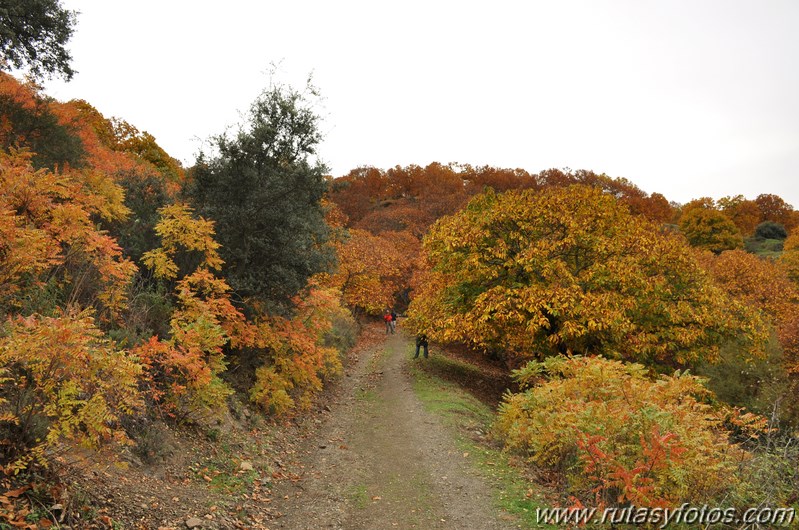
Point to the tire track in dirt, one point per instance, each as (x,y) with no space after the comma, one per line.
(382,461)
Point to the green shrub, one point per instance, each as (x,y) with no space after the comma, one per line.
(765,248)
(753,383)
(770,230)
(343,333)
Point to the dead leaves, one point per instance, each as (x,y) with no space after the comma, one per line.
(15,510)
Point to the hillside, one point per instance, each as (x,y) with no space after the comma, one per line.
(169,332)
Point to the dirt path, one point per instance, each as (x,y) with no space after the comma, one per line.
(381,461)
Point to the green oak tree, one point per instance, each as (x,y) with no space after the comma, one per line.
(34,35)
(263,190)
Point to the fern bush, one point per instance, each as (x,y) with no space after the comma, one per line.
(611,434)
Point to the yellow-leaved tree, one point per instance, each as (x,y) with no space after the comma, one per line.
(184,370)
(710,229)
(370,269)
(530,274)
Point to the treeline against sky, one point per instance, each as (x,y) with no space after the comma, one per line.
(655,345)
(133,288)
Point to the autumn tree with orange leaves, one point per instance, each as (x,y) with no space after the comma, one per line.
(62,380)
(51,239)
(774,208)
(790,257)
(29,120)
(184,370)
(764,286)
(743,212)
(303,352)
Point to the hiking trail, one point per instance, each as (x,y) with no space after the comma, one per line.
(380,460)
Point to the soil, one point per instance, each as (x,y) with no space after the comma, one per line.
(368,457)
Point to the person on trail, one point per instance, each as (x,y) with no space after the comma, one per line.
(387,319)
(421,342)
(393,321)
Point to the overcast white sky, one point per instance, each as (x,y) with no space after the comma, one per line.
(687,98)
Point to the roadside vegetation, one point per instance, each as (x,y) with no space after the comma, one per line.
(140,297)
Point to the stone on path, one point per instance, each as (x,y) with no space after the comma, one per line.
(194,522)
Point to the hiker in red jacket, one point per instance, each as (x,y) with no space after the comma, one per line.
(387,319)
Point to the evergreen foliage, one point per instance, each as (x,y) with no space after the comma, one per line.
(34,34)
(770,230)
(263,192)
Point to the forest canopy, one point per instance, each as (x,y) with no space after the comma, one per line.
(570,271)
(134,290)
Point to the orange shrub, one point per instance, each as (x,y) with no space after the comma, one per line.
(300,354)
(184,371)
(61,381)
(48,232)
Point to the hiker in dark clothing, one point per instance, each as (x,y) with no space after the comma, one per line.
(421,341)
(393,321)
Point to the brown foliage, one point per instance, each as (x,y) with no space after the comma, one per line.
(774,208)
(744,213)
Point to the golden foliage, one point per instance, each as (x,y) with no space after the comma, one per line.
(614,435)
(184,371)
(48,232)
(765,286)
(710,229)
(569,270)
(180,231)
(371,269)
(789,259)
(63,381)
(300,358)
